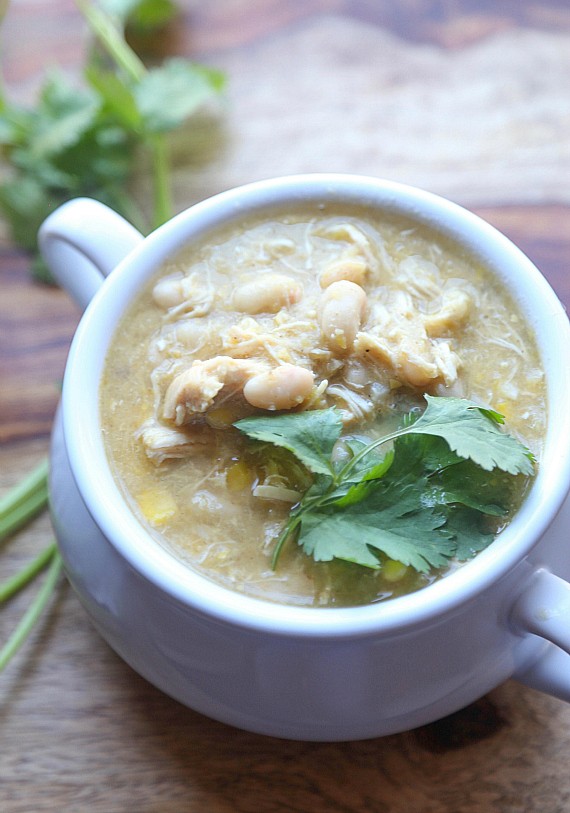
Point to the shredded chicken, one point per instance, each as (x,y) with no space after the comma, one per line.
(194,390)
(333,318)
(398,339)
(163,443)
(452,314)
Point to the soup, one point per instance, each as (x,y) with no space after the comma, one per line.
(339,315)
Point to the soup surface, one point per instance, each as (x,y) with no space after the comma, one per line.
(296,312)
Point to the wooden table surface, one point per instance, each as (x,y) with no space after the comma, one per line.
(468,98)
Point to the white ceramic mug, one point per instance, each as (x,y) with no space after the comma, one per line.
(304,673)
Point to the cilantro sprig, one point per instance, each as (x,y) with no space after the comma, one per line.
(421,502)
(92,138)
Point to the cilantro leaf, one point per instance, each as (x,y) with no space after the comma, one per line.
(467,528)
(67,146)
(166,96)
(488,492)
(326,536)
(310,435)
(141,13)
(439,491)
(428,453)
(474,433)
(115,95)
(391,521)
(368,467)
(358,483)
(87,139)
(64,114)
(24,205)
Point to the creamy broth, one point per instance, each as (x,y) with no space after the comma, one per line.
(365,313)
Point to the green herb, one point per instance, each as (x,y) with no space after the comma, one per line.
(17,508)
(141,14)
(25,500)
(34,611)
(27,574)
(88,140)
(425,500)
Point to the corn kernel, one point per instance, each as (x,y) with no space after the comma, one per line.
(221,417)
(239,476)
(157,505)
(393,570)
(503,408)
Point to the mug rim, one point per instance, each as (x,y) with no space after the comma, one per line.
(110,509)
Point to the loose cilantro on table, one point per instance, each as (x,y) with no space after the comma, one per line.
(88,139)
(421,502)
(141,14)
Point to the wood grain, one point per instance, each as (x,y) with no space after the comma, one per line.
(37,323)
(466,97)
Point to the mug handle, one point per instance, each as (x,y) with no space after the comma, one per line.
(543,609)
(82,242)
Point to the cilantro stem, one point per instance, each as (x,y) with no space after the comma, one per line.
(293,523)
(347,468)
(163,205)
(12,586)
(111,37)
(22,491)
(24,501)
(322,499)
(287,531)
(33,613)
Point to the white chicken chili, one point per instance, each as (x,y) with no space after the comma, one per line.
(298,313)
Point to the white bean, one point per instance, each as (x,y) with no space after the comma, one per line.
(188,294)
(283,387)
(352,269)
(169,292)
(343,306)
(267,293)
